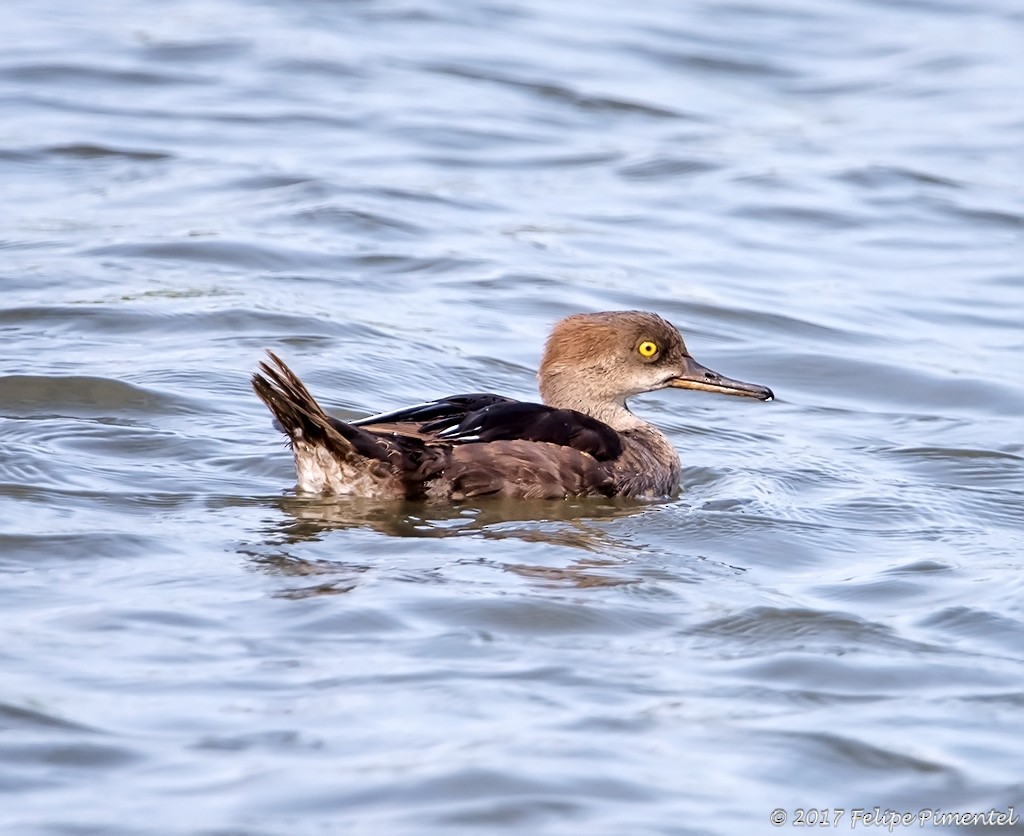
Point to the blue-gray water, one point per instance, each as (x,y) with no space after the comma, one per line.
(400,197)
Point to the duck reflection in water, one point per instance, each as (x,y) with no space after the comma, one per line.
(574,524)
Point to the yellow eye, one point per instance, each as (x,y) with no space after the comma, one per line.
(647,349)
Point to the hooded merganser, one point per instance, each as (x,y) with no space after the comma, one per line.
(582,441)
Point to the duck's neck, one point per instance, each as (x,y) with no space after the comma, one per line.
(611,411)
(586,394)
(615,415)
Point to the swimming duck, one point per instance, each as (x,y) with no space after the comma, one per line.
(582,441)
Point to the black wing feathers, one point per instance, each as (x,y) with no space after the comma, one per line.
(514,420)
(483,417)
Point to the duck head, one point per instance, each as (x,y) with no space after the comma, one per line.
(593,362)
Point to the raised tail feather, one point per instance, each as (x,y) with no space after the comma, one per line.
(330,455)
(295,409)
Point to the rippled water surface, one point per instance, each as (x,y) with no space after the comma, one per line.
(401,197)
